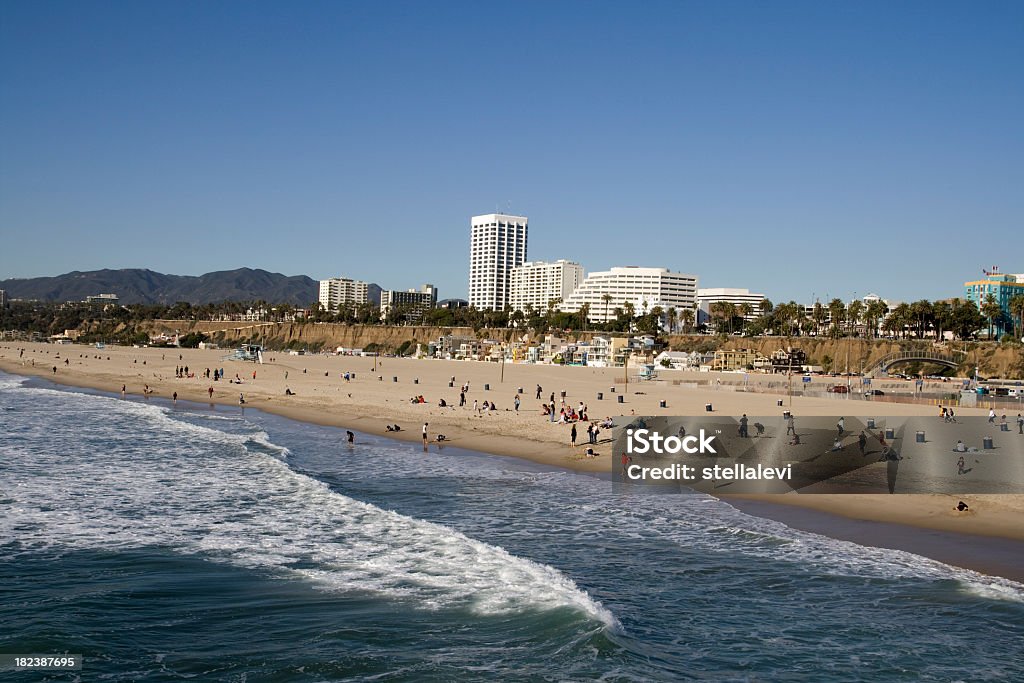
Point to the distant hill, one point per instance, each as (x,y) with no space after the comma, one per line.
(140,286)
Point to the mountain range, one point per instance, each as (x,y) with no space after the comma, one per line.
(141,286)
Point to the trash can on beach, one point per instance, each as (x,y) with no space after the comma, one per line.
(487,387)
(621,398)
(708,408)
(600,396)
(919,437)
(890,433)
(871,423)
(661,404)
(986,443)
(779,403)
(394,379)
(416,380)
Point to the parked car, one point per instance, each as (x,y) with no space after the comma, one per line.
(839,389)
(874,392)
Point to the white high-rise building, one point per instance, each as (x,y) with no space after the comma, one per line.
(414,302)
(497,245)
(641,287)
(709,295)
(535,283)
(341,290)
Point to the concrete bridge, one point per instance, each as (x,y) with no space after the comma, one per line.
(892,359)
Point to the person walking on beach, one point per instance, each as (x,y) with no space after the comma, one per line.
(991,416)
(174,397)
(790,425)
(124,388)
(862,442)
(476,405)
(210,391)
(462,399)
(572,436)
(350,436)
(515,402)
(743,426)
(1020,423)
(841,426)
(538,392)
(241,399)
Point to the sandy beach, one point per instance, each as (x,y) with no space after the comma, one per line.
(377,397)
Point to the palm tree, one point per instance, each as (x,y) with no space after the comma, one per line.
(837,311)
(991,310)
(673,315)
(855,312)
(745,310)
(765,306)
(818,314)
(1017,314)
(686,317)
(607,299)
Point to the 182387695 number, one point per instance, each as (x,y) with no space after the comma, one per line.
(39,662)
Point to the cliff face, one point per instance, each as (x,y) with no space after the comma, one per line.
(992,360)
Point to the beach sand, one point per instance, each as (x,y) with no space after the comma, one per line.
(374,399)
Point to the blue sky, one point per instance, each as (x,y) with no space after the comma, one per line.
(795,148)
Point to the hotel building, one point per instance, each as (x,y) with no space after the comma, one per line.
(736,297)
(641,287)
(497,245)
(416,302)
(340,290)
(1003,288)
(535,283)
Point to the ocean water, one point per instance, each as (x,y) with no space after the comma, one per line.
(186,542)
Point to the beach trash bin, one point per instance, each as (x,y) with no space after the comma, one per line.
(779,403)
(1004,426)
(611,390)
(416,380)
(563,394)
(986,443)
(871,423)
(786,414)
(394,379)
(520,390)
(353,375)
(919,437)
(621,398)
(708,408)
(600,396)
(451,385)
(890,433)
(487,387)
(661,404)
(380,378)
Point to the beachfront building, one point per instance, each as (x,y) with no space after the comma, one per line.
(3,299)
(1002,287)
(497,245)
(103,299)
(336,291)
(413,303)
(735,296)
(643,288)
(734,359)
(536,283)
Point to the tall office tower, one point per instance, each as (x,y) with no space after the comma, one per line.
(497,245)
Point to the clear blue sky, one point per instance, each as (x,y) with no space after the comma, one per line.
(794,148)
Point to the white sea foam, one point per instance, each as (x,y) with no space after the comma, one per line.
(203,491)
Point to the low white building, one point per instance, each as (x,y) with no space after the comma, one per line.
(733,295)
(643,288)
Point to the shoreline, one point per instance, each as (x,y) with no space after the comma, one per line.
(995,519)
